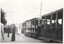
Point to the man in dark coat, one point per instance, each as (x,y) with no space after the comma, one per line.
(8,31)
(13,33)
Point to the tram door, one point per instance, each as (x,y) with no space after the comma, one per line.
(42,26)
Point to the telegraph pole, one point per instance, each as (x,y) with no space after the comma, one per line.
(40,14)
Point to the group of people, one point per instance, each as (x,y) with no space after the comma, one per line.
(8,32)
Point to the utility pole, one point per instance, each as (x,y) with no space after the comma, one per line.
(40,14)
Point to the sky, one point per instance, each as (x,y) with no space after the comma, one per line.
(18,11)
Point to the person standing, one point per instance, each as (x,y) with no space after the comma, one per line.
(13,33)
(2,31)
(8,31)
(19,31)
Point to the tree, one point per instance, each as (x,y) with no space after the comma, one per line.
(3,20)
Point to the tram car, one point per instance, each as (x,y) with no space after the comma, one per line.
(30,27)
(49,27)
(52,26)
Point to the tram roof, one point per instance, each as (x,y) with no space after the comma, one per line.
(54,14)
(32,19)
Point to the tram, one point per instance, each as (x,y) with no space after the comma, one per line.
(29,27)
(50,28)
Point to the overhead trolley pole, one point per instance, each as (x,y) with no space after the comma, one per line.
(40,14)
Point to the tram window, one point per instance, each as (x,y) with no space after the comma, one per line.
(28,30)
(60,17)
(48,20)
(48,23)
(52,21)
(60,21)
(28,24)
(43,21)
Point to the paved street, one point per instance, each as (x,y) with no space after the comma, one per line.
(21,38)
